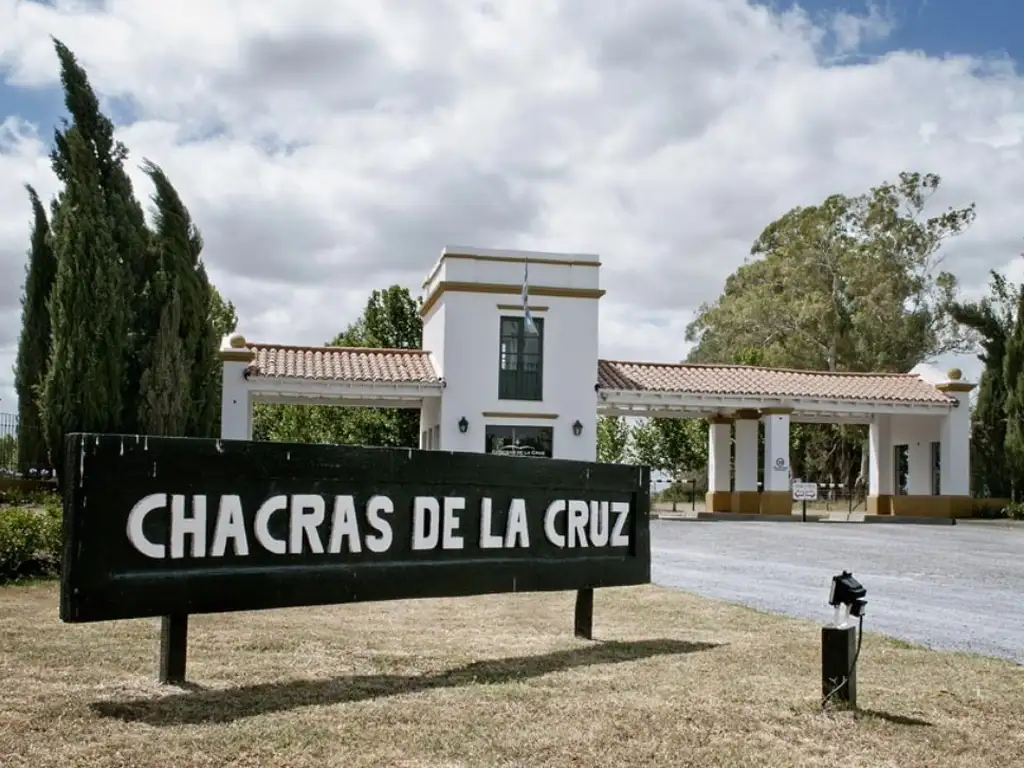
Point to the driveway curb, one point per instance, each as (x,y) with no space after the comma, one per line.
(726,517)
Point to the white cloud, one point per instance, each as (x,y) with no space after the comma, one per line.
(326,149)
(852,31)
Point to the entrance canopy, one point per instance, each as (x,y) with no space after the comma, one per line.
(691,390)
(350,376)
(402,378)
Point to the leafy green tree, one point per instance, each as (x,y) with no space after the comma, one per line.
(390,320)
(613,440)
(992,321)
(851,284)
(34,342)
(677,446)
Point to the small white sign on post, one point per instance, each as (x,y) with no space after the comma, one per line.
(805,491)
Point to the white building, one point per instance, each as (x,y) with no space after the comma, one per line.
(484,383)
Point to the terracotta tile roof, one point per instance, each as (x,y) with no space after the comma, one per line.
(766,382)
(411,366)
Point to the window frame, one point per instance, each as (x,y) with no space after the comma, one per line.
(517,383)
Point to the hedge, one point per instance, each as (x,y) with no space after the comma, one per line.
(30,540)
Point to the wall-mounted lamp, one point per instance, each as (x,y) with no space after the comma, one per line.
(577,428)
(463,425)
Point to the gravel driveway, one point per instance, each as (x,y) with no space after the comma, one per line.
(954,587)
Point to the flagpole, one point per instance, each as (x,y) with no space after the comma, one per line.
(527,318)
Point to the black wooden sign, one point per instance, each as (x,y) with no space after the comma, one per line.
(175,526)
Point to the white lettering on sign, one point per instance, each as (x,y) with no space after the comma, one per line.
(621,511)
(307,516)
(599,523)
(450,536)
(304,523)
(517,534)
(137,518)
(426,522)
(344,526)
(193,526)
(267,508)
(587,523)
(375,507)
(230,527)
(487,539)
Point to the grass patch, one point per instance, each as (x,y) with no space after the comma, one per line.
(488,681)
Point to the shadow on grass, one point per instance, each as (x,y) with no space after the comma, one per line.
(894,719)
(223,706)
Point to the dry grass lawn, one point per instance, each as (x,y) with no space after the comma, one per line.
(673,680)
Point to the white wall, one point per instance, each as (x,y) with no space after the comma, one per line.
(917,433)
(579,275)
(915,429)
(469,326)
(430,419)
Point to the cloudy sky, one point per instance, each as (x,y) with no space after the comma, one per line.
(327,148)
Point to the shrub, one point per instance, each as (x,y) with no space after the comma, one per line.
(21,539)
(52,532)
(1014,509)
(25,495)
(30,541)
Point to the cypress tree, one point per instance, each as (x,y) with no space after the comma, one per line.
(85,376)
(179,245)
(34,343)
(127,225)
(1013,377)
(992,318)
(164,387)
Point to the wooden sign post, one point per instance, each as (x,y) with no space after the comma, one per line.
(160,526)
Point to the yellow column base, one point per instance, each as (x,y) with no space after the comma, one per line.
(776,503)
(879,505)
(746,502)
(718,501)
(931,506)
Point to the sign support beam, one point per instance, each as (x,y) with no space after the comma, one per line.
(585,614)
(173,648)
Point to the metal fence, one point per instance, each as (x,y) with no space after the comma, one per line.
(8,442)
(832,497)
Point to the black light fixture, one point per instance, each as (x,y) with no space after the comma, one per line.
(577,428)
(847,597)
(463,425)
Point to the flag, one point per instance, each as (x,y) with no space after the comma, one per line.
(528,320)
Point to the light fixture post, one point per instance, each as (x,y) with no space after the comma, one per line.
(840,642)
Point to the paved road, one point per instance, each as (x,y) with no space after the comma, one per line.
(954,587)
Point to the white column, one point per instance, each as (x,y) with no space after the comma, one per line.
(719,464)
(776,451)
(880,457)
(235,405)
(955,442)
(746,454)
(919,468)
